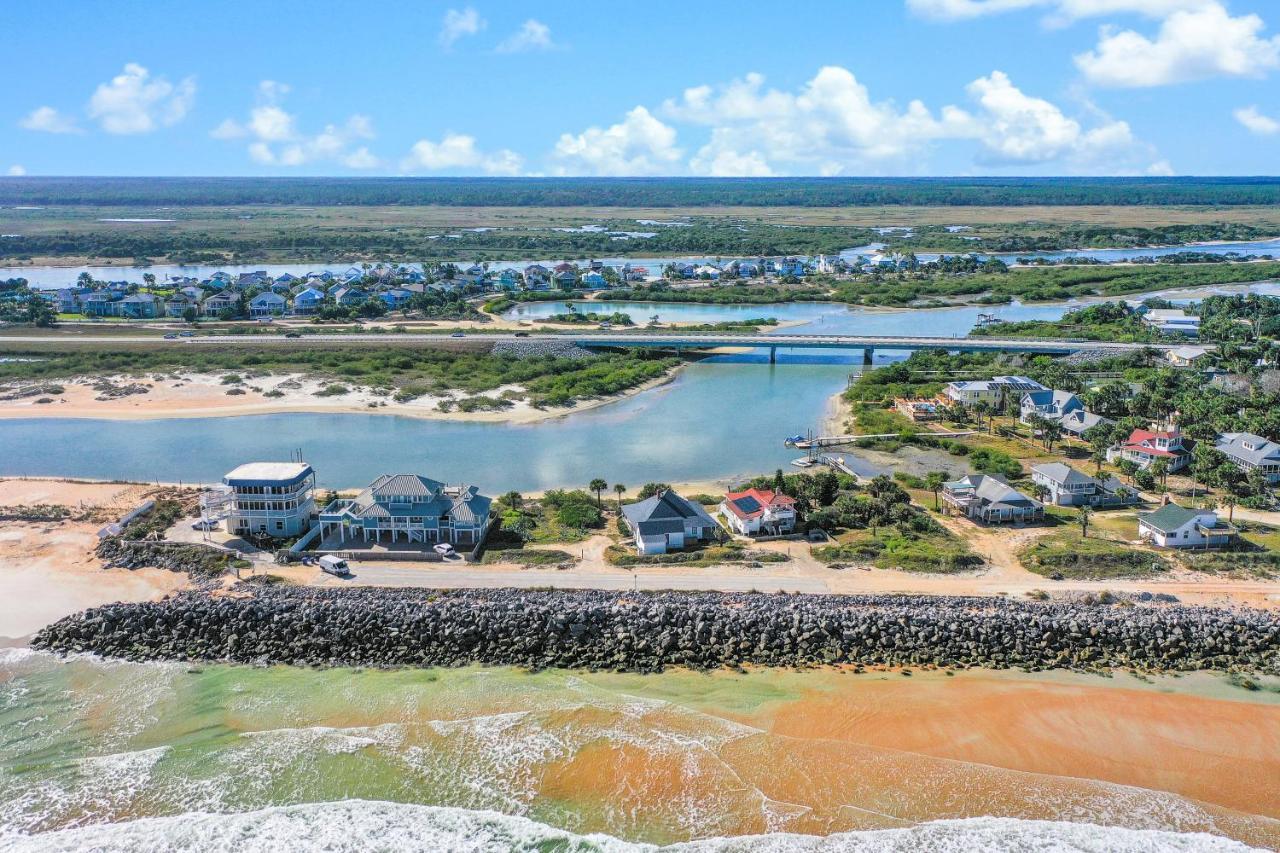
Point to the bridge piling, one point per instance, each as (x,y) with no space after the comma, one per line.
(867,355)
(773,355)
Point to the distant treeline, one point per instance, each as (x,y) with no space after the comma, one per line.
(641,192)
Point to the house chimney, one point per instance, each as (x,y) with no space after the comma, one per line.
(1165,500)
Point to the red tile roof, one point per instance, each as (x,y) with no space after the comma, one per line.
(760,500)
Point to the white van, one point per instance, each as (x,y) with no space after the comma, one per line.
(334,565)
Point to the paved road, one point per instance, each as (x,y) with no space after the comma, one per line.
(618,339)
(390,574)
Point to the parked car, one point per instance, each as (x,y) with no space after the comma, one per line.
(293,335)
(170,337)
(204,524)
(457,335)
(522,334)
(444,549)
(186,334)
(334,565)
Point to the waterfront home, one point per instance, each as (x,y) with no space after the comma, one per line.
(667,522)
(193,292)
(1050,405)
(65,300)
(918,409)
(308,300)
(274,499)
(565,276)
(409,508)
(216,303)
(509,279)
(1144,446)
(1187,356)
(1172,321)
(759,512)
(683,269)
(1250,453)
(1068,487)
(992,390)
(536,277)
(1174,526)
(989,498)
(594,280)
(707,272)
(789,266)
(267,304)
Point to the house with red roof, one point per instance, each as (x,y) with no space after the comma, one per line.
(757,512)
(1145,446)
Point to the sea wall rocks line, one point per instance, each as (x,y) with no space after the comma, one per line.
(645,632)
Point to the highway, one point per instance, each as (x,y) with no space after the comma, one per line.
(673,340)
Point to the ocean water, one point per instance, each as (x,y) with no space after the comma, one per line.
(109,755)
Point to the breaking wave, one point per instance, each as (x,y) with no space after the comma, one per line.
(359,825)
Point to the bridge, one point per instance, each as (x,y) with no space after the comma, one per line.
(675,340)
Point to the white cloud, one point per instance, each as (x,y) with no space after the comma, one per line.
(640,144)
(276,141)
(459,24)
(16,171)
(458,151)
(135,102)
(1256,121)
(1060,11)
(48,120)
(1190,45)
(832,126)
(532,35)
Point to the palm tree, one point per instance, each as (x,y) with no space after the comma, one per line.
(1098,457)
(1085,512)
(512,499)
(619,488)
(1040,491)
(934,481)
(1160,470)
(597,485)
(981,408)
(1229,501)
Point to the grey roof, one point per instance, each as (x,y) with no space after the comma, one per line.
(410,485)
(1169,517)
(1060,399)
(665,505)
(1253,449)
(994,490)
(1080,420)
(1060,472)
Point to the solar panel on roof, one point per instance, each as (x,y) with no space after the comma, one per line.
(748,504)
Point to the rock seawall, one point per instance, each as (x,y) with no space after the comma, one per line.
(645,632)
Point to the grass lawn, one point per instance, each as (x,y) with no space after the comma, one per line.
(1258,558)
(1066,553)
(938,552)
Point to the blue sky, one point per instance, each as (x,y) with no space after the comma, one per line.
(696,87)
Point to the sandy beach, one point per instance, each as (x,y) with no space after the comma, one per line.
(194,395)
(48,569)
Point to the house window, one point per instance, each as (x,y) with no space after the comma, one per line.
(279,525)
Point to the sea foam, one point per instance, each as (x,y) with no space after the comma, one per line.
(358,825)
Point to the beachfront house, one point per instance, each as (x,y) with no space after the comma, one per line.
(667,522)
(177,305)
(789,266)
(759,512)
(990,499)
(275,499)
(1068,487)
(396,297)
(349,296)
(1250,453)
(918,409)
(408,508)
(1145,446)
(1174,526)
(1172,321)
(267,304)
